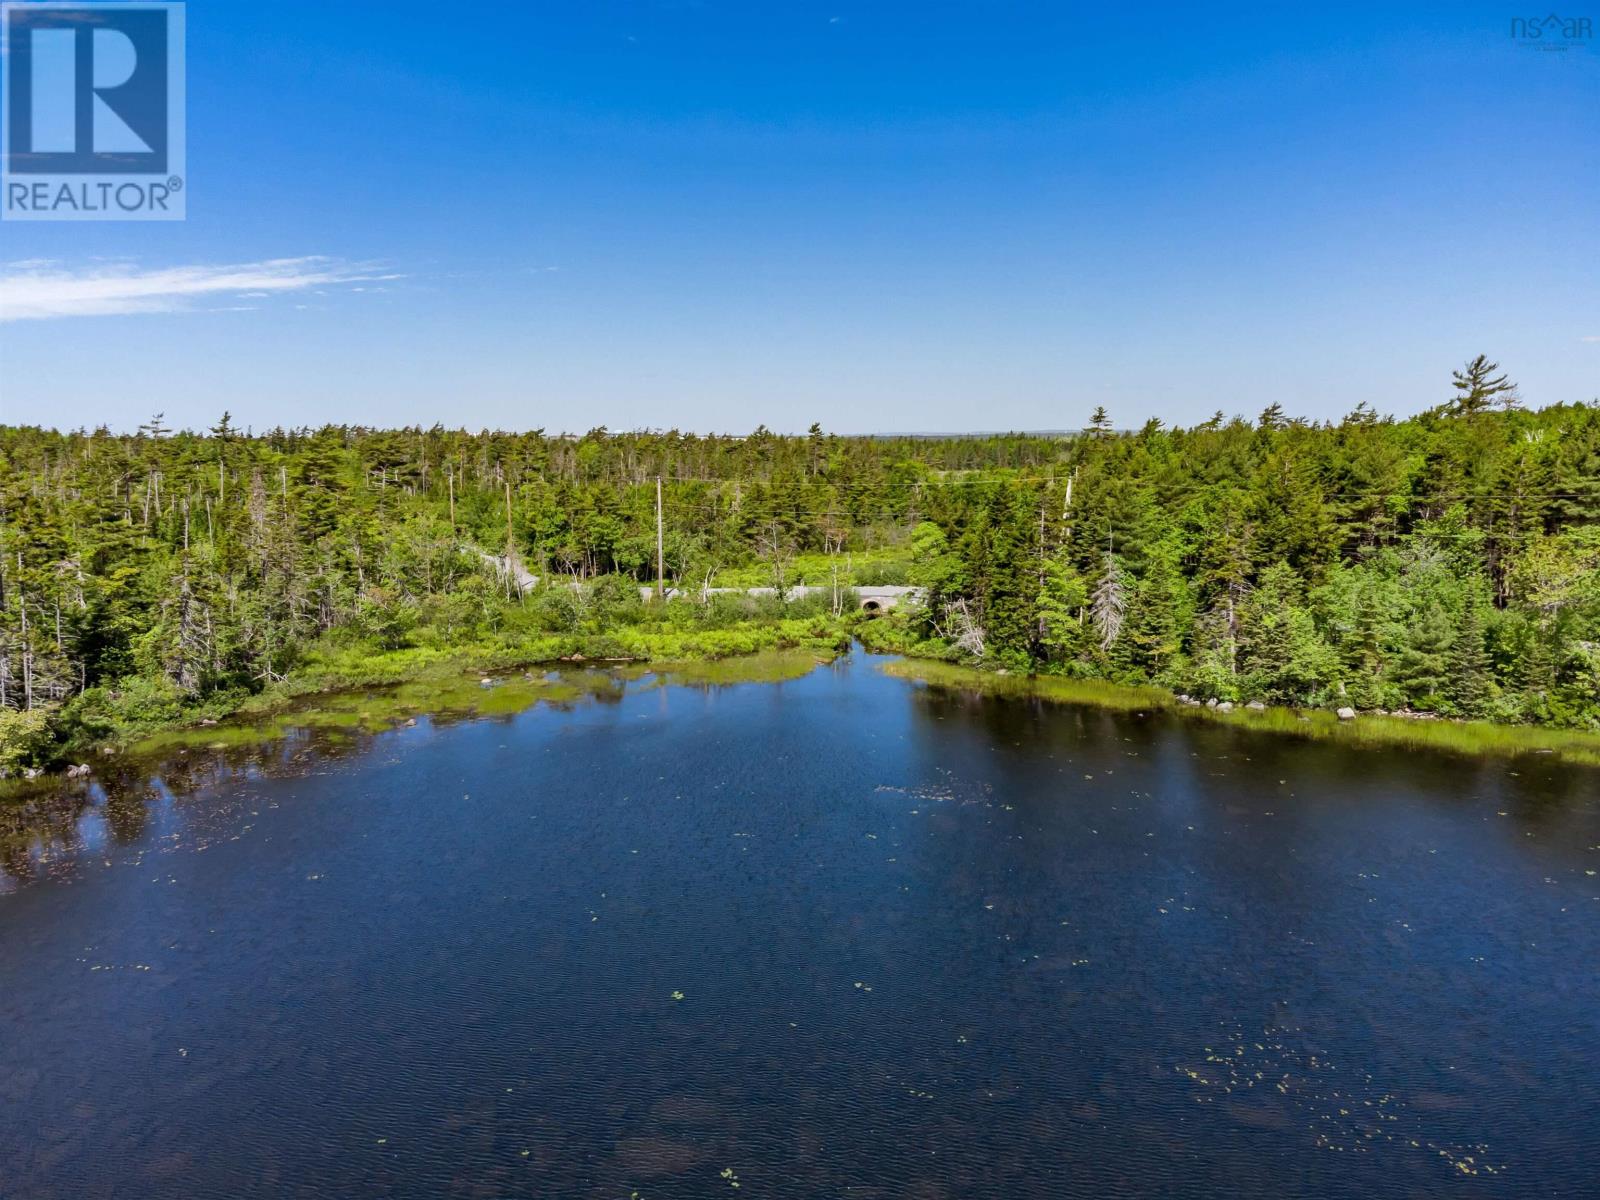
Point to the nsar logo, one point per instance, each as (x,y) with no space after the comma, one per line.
(1552,32)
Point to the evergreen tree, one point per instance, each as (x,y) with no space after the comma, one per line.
(1423,664)
(1153,632)
(1467,687)
(1477,387)
(1062,596)
(1367,643)
(321,488)
(1284,657)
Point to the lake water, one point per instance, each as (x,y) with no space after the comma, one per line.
(841,936)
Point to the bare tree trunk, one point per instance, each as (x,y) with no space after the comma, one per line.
(27,653)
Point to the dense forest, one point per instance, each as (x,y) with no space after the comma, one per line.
(1447,563)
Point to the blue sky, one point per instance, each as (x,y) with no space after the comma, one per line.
(878,216)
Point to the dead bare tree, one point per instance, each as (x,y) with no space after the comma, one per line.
(1109,603)
(961,627)
(777,549)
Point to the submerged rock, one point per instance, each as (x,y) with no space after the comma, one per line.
(652,1156)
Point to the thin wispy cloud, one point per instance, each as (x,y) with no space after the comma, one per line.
(1595,338)
(36,291)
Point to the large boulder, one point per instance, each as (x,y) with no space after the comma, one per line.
(1346,714)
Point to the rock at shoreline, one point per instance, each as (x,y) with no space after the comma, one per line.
(1225,706)
(1346,714)
(1256,706)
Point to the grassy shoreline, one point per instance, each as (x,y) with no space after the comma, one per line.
(359,689)
(453,691)
(1474,738)
(440,681)
(430,679)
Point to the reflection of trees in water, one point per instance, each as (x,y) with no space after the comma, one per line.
(51,820)
(127,814)
(1545,806)
(1010,719)
(34,820)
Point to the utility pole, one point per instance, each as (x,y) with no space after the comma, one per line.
(511,556)
(661,569)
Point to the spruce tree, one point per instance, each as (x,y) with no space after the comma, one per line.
(1424,661)
(1468,686)
(1152,634)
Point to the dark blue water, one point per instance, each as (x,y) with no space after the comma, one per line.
(927,945)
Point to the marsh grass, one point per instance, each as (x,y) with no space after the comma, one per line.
(373,709)
(445,694)
(1453,737)
(767,666)
(360,688)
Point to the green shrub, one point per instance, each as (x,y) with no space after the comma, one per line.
(27,739)
(555,610)
(387,624)
(615,599)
